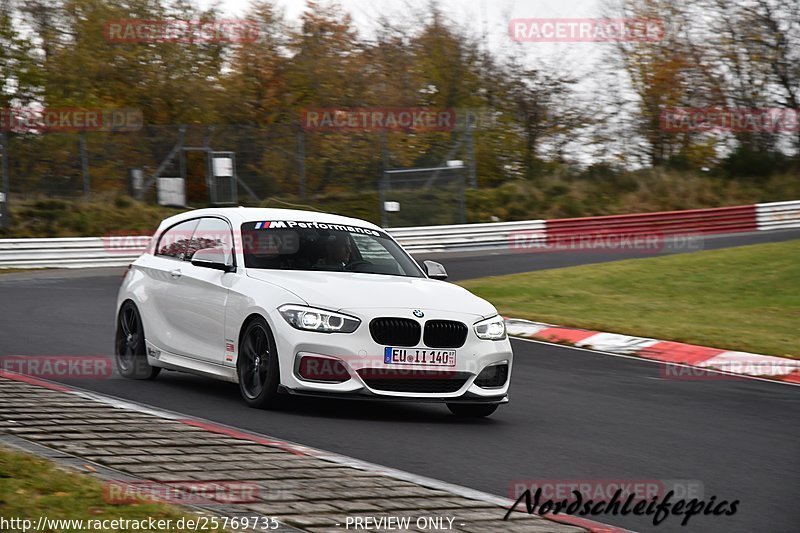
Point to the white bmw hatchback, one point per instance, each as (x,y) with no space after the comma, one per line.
(282,301)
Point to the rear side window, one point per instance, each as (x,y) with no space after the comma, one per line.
(174,242)
(212,233)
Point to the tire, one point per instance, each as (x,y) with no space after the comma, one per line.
(472,410)
(257,366)
(130,350)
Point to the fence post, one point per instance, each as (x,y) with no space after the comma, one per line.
(473,177)
(4,190)
(84,165)
(301,161)
(462,202)
(385,165)
(382,200)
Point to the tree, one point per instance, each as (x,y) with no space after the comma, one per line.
(19,69)
(664,74)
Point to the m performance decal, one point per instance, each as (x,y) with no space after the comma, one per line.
(271,225)
(291,224)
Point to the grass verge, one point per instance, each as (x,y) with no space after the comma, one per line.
(744,298)
(31,487)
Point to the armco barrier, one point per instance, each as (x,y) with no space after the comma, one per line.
(463,236)
(79,252)
(86,252)
(778,215)
(121,250)
(716,220)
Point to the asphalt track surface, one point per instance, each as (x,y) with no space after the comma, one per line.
(574,415)
(465,265)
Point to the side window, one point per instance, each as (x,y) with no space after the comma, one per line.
(212,233)
(371,249)
(174,242)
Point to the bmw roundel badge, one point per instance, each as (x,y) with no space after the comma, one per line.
(418,313)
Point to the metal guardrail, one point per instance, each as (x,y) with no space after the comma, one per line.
(79,252)
(462,236)
(694,221)
(778,215)
(84,252)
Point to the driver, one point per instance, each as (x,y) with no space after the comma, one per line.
(339,251)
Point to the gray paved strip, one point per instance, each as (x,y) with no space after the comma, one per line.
(107,474)
(303,491)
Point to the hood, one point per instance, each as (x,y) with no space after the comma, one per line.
(339,291)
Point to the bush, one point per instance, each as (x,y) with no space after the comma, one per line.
(597,191)
(750,163)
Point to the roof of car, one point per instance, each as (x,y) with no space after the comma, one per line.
(257,214)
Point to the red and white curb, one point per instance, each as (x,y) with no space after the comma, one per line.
(727,361)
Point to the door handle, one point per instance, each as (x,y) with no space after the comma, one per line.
(175,273)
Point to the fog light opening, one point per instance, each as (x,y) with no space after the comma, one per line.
(322,369)
(493,377)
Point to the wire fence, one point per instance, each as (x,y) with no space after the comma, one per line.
(279,160)
(423,196)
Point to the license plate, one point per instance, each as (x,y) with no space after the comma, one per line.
(419,356)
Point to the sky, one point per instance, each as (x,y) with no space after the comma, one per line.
(489,17)
(483,17)
(458,8)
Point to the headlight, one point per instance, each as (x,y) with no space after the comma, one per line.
(491,329)
(310,319)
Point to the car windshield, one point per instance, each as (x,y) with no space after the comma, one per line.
(318,246)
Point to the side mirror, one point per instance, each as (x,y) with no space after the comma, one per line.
(212,258)
(435,270)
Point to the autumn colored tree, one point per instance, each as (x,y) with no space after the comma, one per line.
(248,95)
(754,45)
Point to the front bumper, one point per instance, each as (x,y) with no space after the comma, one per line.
(367,394)
(360,354)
